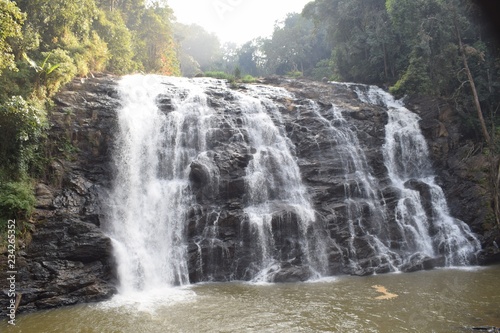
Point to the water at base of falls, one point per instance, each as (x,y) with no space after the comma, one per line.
(209,187)
(440,301)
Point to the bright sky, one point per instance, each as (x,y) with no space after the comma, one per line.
(235,20)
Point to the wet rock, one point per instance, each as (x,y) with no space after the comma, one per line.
(425,193)
(292,274)
(462,169)
(419,262)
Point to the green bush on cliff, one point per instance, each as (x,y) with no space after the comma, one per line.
(218,75)
(17,202)
(16,199)
(248,79)
(21,127)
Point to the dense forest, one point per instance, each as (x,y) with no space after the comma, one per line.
(440,48)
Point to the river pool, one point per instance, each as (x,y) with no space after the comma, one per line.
(442,300)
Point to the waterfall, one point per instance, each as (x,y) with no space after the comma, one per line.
(151,194)
(213,184)
(365,209)
(274,184)
(425,227)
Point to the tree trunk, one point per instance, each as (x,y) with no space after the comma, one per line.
(494,159)
(496,194)
(472,84)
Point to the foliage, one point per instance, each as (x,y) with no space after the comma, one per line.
(16,199)
(237,73)
(21,127)
(50,75)
(111,27)
(361,35)
(295,46)
(248,79)
(251,58)
(411,46)
(154,42)
(294,74)
(231,78)
(57,18)
(218,75)
(11,21)
(414,80)
(323,69)
(199,50)
(44,44)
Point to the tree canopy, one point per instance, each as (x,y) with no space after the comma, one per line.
(11,21)
(45,44)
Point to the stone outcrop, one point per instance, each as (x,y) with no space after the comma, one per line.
(69,259)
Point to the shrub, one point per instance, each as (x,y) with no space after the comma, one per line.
(65,71)
(21,126)
(218,75)
(16,200)
(248,79)
(294,74)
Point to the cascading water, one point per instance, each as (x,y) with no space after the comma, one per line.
(213,184)
(365,210)
(425,227)
(274,185)
(156,153)
(151,194)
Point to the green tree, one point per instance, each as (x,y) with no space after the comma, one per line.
(295,46)
(111,27)
(364,47)
(251,59)
(155,47)
(11,21)
(55,19)
(199,50)
(428,56)
(21,126)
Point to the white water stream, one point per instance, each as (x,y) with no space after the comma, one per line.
(407,160)
(152,195)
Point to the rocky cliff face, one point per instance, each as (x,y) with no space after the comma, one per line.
(69,259)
